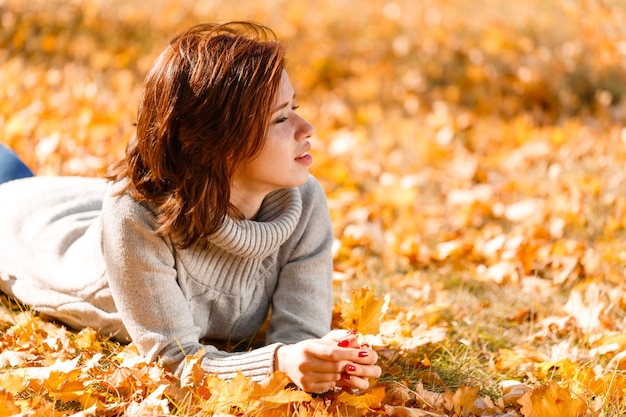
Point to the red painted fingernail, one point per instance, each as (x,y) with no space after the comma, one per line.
(345,376)
(363,354)
(343,343)
(352,331)
(365,345)
(350,368)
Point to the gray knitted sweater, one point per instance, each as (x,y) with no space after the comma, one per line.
(73,249)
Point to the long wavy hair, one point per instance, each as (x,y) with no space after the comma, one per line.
(205,108)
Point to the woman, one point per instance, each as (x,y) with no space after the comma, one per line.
(208,225)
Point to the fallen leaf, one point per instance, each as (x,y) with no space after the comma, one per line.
(192,373)
(463,400)
(398,411)
(371,398)
(13,358)
(7,404)
(155,404)
(397,394)
(586,308)
(550,401)
(513,391)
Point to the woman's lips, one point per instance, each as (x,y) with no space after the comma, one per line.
(305,158)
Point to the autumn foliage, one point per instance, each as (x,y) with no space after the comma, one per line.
(473,154)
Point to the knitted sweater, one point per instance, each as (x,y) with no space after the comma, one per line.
(73,249)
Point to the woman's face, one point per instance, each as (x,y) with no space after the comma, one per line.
(284,159)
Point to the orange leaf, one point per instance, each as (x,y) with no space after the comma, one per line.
(371,398)
(58,381)
(364,311)
(272,385)
(87,338)
(399,411)
(462,400)
(7,404)
(287,397)
(120,378)
(235,393)
(192,372)
(551,400)
(13,381)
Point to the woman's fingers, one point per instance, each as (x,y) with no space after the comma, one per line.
(343,338)
(354,382)
(365,356)
(317,365)
(349,339)
(357,376)
(338,335)
(369,371)
(306,364)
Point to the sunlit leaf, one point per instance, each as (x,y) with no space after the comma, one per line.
(13,381)
(364,311)
(8,407)
(371,398)
(551,400)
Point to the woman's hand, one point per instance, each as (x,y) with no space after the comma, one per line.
(319,365)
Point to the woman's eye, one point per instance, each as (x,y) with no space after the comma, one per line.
(283,119)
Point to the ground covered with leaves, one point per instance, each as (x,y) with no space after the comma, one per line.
(473,154)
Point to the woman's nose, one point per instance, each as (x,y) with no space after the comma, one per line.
(305,130)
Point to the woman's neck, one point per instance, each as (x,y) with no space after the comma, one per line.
(248,204)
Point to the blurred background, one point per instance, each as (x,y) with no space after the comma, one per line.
(473,154)
(434,118)
(396,72)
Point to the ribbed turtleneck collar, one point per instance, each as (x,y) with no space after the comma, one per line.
(275,222)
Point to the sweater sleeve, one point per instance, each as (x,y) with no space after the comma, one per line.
(143,281)
(302,301)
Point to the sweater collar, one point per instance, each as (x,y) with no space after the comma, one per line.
(277,219)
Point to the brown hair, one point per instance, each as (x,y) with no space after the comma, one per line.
(205,108)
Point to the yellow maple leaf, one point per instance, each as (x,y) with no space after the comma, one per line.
(192,372)
(229,394)
(154,404)
(364,311)
(371,398)
(59,382)
(461,401)
(13,380)
(551,400)
(87,339)
(399,411)
(272,385)
(7,404)
(120,378)
(288,396)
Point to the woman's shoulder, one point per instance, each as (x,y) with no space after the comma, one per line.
(120,206)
